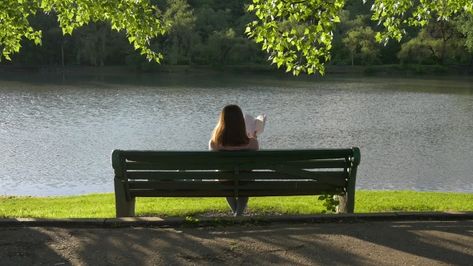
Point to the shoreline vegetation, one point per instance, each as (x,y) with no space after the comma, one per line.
(401,70)
(103,205)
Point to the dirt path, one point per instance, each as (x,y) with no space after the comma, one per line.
(367,243)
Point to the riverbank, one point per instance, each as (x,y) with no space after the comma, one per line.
(397,70)
(103,205)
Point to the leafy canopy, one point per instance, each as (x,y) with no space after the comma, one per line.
(297,34)
(395,15)
(141,21)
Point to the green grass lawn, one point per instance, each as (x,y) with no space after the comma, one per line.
(103,205)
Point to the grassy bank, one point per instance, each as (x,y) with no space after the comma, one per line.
(102,205)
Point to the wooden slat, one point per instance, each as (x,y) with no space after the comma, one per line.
(314,164)
(230,193)
(195,165)
(254,163)
(152,193)
(310,174)
(241,156)
(263,193)
(324,153)
(283,185)
(180,185)
(243,185)
(177,175)
(336,178)
(195,193)
(230,164)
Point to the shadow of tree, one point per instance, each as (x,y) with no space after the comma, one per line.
(29,246)
(369,243)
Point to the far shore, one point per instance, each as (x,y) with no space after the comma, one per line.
(407,70)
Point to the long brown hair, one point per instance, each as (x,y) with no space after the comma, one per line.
(230,129)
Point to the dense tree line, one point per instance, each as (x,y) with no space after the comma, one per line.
(212,32)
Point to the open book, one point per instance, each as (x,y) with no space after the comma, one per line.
(255,124)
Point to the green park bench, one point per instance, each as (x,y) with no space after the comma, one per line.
(234,174)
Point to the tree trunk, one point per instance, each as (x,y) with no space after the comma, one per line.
(62,54)
(103,39)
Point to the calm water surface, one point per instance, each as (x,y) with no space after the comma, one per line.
(56,137)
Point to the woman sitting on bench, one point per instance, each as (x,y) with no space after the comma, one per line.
(230,135)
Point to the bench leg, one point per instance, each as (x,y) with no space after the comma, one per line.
(346,203)
(123,207)
(342,204)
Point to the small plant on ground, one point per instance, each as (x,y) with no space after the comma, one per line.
(330,202)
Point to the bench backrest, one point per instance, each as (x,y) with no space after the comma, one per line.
(235,173)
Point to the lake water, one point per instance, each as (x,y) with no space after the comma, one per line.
(56,137)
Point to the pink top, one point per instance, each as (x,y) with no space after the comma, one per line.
(252,145)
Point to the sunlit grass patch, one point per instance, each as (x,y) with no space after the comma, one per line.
(103,205)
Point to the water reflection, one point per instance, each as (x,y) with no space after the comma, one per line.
(56,139)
